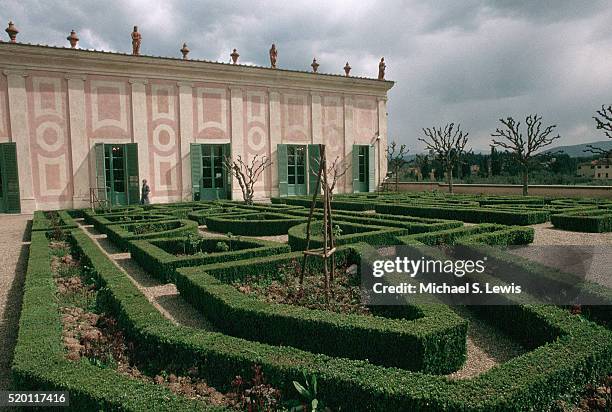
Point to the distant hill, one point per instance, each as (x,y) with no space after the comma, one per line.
(577,150)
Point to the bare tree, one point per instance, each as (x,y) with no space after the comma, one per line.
(335,171)
(524,148)
(247,173)
(448,145)
(603,122)
(396,158)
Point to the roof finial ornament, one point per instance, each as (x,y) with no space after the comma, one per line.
(136,41)
(185,50)
(273,56)
(73,39)
(234,55)
(314,65)
(381,69)
(12,31)
(347,69)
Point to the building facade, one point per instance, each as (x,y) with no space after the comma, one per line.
(600,169)
(76,122)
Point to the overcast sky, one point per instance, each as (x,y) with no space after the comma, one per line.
(464,61)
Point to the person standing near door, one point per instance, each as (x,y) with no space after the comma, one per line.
(144,197)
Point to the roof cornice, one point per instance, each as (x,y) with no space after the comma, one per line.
(26,57)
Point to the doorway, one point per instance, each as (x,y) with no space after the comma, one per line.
(296,170)
(9,179)
(209,176)
(117,173)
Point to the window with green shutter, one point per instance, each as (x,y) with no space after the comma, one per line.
(133,183)
(371,169)
(196,169)
(360,167)
(281,162)
(9,178)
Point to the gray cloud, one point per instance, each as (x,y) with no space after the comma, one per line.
(470,62)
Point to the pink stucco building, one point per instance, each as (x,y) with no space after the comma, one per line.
(74,120)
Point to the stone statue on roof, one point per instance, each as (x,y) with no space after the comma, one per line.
(381,69)
(273,56)
(136,40)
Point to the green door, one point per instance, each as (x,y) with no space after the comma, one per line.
(296,170)
(361,167)
(9,179)
(115,174)
(213,184)
(117,178)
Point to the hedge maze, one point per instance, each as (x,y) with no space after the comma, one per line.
(391,359)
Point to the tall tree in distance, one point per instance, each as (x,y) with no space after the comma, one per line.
(396,158)
(448,145)
(524,148)
(603,121)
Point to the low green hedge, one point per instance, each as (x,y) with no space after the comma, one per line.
(435,340)
(486,233)
(473,215)
(595,221)
(335,204)
(157,256)
(517,269)
(413,224)
(253,224)
(200,215)
(351,233)
(101,221)
(579,354)
(40,221)
(39,362)
(122,234)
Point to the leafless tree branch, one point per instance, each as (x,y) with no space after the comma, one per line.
(247,173)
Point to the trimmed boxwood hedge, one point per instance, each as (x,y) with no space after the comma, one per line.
(528,272)
(122,234)
(253,224)
(473,215)
(580,352)
(485,233)
(100,221)
(39,361)
(154,257)
(413,224)
(351,233)
(595,221)
(435,340)
(42,223)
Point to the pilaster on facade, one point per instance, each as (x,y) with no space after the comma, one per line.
(349,139)
(381,143)
(79,145)
(316,118)
(140,127)
(20,134)
(237,132)
(186,136)
(275,136)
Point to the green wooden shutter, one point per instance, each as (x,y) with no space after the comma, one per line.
(10,174)
(314,155)
(281,161)
(196,169)
(100,172)
(371,169)
(131,150)
(355,167)
(227,154)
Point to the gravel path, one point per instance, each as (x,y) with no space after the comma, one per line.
(486,347)
(588,255)
(14,249)
(164,297)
